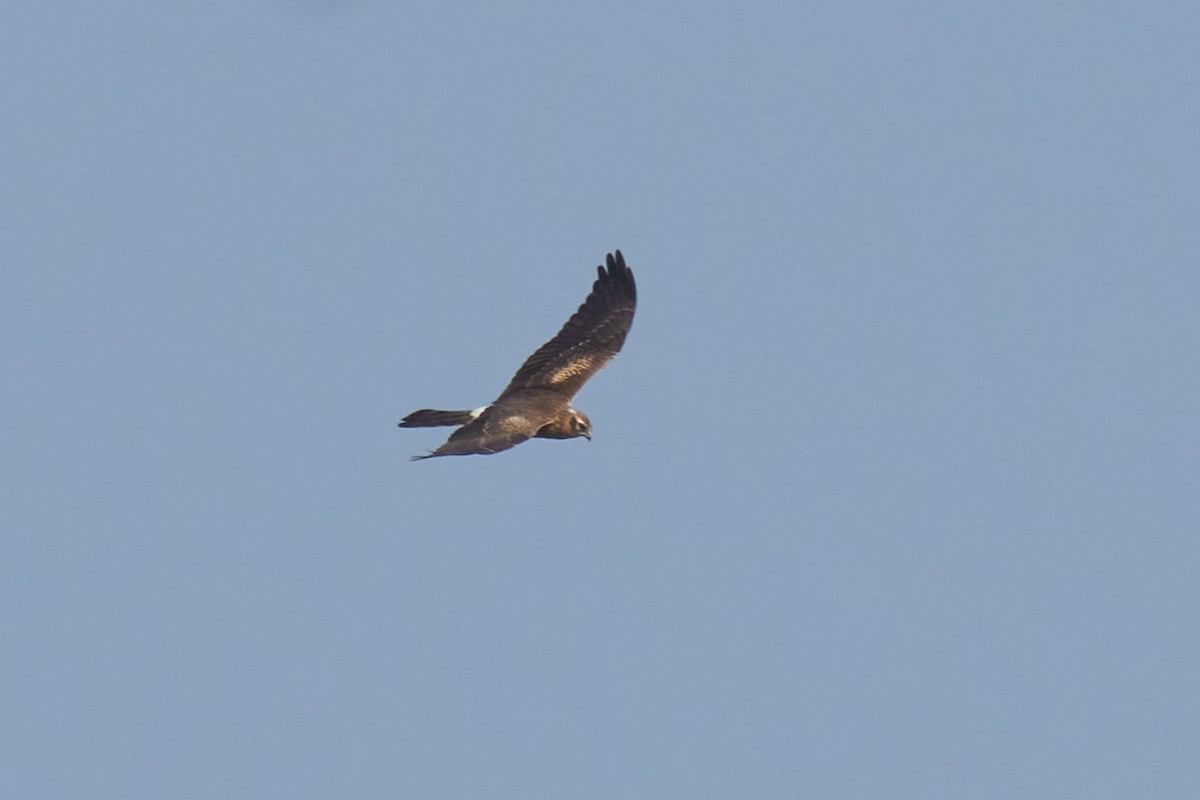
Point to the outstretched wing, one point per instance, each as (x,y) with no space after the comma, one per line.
(475,439)
(589,339)
(499,427)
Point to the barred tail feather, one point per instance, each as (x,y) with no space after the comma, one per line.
(429,418)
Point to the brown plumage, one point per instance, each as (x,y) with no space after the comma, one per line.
(537,401)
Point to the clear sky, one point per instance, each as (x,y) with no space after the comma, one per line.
(893,490)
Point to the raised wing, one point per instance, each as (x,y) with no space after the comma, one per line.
(589,339)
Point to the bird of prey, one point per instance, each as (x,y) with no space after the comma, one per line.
(537,402)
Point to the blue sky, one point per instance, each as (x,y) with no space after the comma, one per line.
(893,491)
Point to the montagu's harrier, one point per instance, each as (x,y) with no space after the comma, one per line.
(537,402)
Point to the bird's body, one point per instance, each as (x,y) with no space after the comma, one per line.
(537,402)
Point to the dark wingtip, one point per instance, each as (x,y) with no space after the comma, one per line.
(616,266)
(616,263)
(618,275)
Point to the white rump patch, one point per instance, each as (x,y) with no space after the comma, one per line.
(475,414)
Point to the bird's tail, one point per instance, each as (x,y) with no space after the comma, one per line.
(429,418)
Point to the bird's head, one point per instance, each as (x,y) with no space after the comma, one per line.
(580,425)
(567,425)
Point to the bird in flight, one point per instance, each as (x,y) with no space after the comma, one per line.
(537,401)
